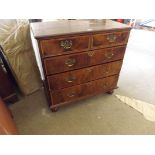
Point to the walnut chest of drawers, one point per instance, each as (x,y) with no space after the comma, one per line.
(80,58)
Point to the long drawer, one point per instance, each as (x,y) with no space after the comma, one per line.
(75,61)
(80,76)
(60,46)
(109,39)
(84,90)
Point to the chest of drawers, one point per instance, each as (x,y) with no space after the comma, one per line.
(80,58)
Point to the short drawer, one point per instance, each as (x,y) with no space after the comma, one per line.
(71,78)
(52,47)
(84,90)
(76,61)
(110,39)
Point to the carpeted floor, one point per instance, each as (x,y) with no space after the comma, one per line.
(103,114)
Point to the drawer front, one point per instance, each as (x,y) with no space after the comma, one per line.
(84,90)
(110,39)
(81,60)
(62,46)
(80,76)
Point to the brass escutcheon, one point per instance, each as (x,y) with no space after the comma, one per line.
(66,44)
(111,38)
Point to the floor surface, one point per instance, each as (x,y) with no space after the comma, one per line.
(102,114)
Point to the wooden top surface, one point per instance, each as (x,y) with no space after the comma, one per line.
(63,27)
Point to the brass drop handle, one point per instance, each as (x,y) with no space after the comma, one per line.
(109,55)
(72,94)
(89,70)
(70,62)
(66,44)
(107,71)
(71,79)
(111,38)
